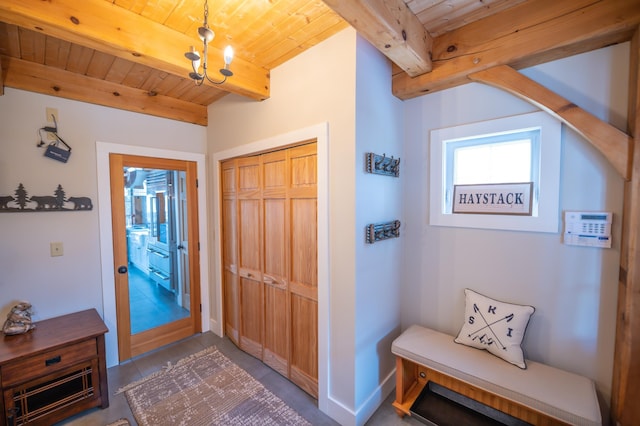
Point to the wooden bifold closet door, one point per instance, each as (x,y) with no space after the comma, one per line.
(270,268)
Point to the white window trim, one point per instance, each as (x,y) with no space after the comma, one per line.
(549,184)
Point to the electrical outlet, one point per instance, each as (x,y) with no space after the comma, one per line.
(51,113)
(56,249)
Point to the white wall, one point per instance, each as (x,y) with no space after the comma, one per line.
(574,289)
(60,285)
(319,86)
(379,129)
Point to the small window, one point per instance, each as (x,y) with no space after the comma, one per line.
(503,158)
(508,150)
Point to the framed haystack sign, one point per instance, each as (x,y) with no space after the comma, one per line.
(498,198)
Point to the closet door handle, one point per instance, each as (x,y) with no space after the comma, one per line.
(268,279)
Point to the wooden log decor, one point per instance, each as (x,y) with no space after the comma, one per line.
(22,202)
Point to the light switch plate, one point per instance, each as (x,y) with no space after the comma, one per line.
(56,249)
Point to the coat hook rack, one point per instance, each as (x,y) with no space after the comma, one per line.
(382,165)
(382,231)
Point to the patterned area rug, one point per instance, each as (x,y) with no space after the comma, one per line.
(206,389)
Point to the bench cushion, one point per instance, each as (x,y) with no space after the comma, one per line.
(566,396)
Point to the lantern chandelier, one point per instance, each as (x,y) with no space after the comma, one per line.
(206,35)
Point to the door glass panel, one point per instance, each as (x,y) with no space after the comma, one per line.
(156,223)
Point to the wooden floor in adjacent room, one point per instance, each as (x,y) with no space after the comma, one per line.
(146,364)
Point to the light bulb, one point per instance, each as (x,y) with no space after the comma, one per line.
(228,55)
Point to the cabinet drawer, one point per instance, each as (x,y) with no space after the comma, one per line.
(47,362)
(159,259)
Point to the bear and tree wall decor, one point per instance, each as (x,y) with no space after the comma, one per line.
(21,201)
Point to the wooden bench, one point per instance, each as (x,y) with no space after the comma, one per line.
(540,395)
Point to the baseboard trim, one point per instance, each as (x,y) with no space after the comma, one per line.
(376,399)
(215,327)
(348,417)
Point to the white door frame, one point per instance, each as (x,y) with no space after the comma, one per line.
(103,149)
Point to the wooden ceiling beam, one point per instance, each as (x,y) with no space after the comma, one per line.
(613,143)
(392,28)
(625,390)
(529,33)
(52,81)
(109,28)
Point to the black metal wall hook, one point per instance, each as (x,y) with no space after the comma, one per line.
(382,165)
(382,231)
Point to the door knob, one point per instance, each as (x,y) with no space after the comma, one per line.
(122,270)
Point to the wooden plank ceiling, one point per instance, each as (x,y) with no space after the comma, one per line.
(129,54)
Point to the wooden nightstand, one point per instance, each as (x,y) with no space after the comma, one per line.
(53,371)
